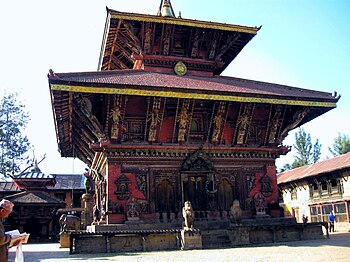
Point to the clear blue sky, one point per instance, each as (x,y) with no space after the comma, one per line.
(301,43)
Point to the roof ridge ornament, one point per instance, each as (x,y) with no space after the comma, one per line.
(165,9)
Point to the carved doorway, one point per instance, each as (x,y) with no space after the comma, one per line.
(165,197)
(225,195)
(194,190)
(198,180)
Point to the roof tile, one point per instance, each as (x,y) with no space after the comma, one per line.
(330,165)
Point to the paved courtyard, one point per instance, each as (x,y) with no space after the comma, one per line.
(336,248)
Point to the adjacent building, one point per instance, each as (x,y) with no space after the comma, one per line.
(316,190)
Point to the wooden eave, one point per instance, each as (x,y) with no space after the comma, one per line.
(173,92)
(72,133)
(181,21)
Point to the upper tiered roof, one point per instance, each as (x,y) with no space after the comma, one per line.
(158,42)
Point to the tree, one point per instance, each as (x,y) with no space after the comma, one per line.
(307,153)
(13,143)
(341,145)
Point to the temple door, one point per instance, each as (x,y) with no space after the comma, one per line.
(165,197)
(225,195)
(194,190)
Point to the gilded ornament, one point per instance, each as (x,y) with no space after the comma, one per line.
(180,68)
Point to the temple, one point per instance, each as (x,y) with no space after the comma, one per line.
(158,125)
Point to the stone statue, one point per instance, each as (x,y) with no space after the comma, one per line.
(88,184)
(236,211)
(69,222)
(188,215)
(96,214)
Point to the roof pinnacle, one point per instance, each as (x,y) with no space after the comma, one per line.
(165,9)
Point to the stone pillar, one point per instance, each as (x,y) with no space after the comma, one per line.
(87,201)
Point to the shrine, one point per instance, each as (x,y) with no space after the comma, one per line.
(158,125)
(34,208)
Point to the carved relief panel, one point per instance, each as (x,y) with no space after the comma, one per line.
(123,187)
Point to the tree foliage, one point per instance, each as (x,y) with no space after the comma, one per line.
(306,152)
(13,143)
(341,145)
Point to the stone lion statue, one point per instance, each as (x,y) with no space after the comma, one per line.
(236,211)
(188,214)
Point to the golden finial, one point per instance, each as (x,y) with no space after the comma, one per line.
(166,9)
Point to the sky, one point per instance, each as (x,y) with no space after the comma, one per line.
(301,43)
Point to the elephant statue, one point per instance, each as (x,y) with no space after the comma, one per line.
(69,222)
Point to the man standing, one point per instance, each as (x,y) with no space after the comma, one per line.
(331,220)
(5,210)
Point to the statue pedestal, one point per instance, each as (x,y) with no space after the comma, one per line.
(191,239)
(64,240)
(87,215)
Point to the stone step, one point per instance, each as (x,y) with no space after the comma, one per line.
(215,239)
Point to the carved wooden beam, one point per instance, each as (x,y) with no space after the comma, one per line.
(114,43)
(230,42)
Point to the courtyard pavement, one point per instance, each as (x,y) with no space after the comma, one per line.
(336,248)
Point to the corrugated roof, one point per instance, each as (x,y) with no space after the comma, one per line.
(189,83)
(8,187)
(34,173)
(330,165)
(70,181)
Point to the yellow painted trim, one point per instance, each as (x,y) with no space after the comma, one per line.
(193,95)
(185,22)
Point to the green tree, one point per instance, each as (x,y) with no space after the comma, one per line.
(14,145)
(306,152)
(341,145)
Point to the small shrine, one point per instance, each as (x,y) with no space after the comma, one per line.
(158,125)
(34,208)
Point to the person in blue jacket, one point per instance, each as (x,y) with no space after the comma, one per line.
(331,220)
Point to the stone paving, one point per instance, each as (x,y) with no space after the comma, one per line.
(336,248)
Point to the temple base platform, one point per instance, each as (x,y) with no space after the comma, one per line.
(142,236)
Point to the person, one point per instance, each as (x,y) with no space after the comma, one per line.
(305,219)
(5,210)
(331,220)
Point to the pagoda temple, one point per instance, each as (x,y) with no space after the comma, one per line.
(158,125)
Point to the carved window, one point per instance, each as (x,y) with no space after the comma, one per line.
(197,128)
(340,212)
(123,191)
(265,182)
(135,128)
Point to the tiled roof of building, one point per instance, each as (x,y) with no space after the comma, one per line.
(63,182)
(7,186)
(35,197)
(34,173)
(334,164)
(187,83)
(66,182)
